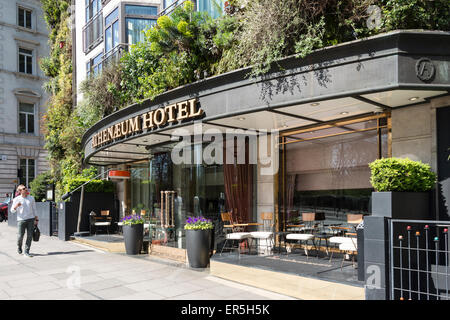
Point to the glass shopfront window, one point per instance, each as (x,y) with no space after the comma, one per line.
(326,170)
(194,190)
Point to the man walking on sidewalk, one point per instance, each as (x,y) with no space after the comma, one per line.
(25,206)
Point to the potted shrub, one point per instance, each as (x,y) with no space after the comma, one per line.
(133,233)
(198,241)
(402,188)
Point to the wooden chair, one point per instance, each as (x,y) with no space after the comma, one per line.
(267,230)
(232,236)
(307,218)
(103,221)
(354,219)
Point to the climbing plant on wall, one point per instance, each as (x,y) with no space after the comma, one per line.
(60,125)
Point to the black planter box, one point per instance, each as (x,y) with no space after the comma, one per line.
(402,205)
(133,237)
(198,244)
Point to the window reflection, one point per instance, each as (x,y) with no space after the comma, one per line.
(327,170)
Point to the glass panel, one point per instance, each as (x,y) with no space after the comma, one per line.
(21,63)
(26,107)
(97,59)
(115,34)
(213,7)
(330,175)
(29,65)
(95,8)
(108,42)
(31,170)
(199,190)
(23,173)
(26,51)
(111,17)
(30,123)
(141,10)
(21,17)
(22,123)
(135,27)
(167,3)
(87,14)
(28,15)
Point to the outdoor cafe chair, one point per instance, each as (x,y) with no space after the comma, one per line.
(349,247)
(266,234)
(307,218)
(232,236)
(103,221)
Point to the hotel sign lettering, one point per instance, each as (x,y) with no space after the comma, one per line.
(148,121)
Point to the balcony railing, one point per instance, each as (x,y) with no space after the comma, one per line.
(93,32)
(115,54)
(173,6)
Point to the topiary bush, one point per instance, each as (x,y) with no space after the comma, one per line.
(404,175)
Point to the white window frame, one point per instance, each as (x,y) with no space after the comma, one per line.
(26,118)
(26,55)
(26,8)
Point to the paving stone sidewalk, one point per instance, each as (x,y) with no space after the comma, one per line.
(62,270)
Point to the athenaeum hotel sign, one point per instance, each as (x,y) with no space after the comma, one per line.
(151,120)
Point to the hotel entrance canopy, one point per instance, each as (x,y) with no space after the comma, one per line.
(360,78)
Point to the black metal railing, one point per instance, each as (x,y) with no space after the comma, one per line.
(419,260)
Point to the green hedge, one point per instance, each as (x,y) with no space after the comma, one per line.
(39,186)
(93,186)
(395,174)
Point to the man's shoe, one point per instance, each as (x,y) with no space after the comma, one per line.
(27,254)
(19,251)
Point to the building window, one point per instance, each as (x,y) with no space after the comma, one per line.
(24,17)
(141,10)
(26,118)
(138,19)
(27,171)
(92,8)
(112,30)
(135,28)
(93,30)
(94,66)
(25,61)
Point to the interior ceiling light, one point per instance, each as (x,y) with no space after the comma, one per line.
(413,98)
(315,104)
(241,118)
(344,113)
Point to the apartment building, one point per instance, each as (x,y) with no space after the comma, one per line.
(23,41)
(104,29)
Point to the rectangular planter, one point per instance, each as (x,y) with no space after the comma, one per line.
(402,205)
